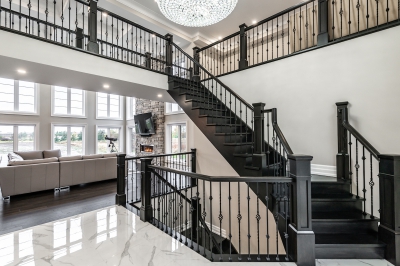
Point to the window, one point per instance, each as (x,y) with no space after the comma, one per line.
(17,138)
(103,145)
(176,137)
(69,139)
(171,108)
(108,105)
(68,102)
(18,96)
(130,107)
(131,140)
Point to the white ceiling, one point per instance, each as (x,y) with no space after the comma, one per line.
(246,11)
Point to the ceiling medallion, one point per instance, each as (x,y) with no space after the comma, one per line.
(196,13)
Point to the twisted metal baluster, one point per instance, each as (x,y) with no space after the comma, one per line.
(230,222)
(351,166)
(239,217)
(258,218)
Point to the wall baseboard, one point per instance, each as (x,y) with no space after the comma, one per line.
(324,170)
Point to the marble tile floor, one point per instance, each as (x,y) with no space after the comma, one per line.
(111,236)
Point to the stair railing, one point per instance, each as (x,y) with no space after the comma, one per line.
(227,107)
(355,163)
(221,217)
(86,27)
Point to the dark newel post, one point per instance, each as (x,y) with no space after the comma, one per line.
(193,166)
(190,73)
(148,60)
(146,211)
(389,198)
(342,157)
(323,34)
(79,38)
(168,54)
(259,157)
(243,63)
(196,56)
(301,236)
(258,128)
(93,46)
(196,213)
(120,198)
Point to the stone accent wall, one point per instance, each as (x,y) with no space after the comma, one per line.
(158,139)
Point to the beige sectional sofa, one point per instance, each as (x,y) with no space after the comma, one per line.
(43,170)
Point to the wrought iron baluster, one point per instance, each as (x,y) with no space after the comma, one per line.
(341,18)
(333,19)
(230,221)
(258,218)
(248,223)
(203,215)
(367,14)
(364,188)
(211,244)
(371,183)
(267,218)
(220,218)
(239,217)
(357,166)
(351,165)
(358,15)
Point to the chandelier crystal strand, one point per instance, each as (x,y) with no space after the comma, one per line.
(196,13)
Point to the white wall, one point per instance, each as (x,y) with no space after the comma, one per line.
(44,119)
(305,88)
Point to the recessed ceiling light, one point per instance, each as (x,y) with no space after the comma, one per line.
(159,95)
(21,71)
(106,86)
(254,21)
(104,14)
(219,38)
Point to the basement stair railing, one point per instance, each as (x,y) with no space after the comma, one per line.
(220,217)
(357,161)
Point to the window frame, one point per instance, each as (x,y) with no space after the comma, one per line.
(129,140)
(15,133)
(121,107)
(84,101)
(121,147)
(16,100)
(168,139)
(130,115)
(69,136)
(167,108)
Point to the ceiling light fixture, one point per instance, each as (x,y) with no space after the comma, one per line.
(254,21)
(196,13)
(159,95)
(106,86)
(21,71)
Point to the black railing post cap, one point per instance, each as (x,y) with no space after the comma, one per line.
(300,157)
(243,25)
(121,154)
(342,103)
(258,104)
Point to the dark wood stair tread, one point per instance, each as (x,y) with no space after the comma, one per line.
(341,216)
(229,134)
(336,197)
(361,240)
(238,144)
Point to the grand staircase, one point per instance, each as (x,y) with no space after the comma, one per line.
(341,229)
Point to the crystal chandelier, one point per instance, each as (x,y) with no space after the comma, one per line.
(196,13)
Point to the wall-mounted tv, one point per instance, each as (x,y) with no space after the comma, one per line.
(144,124)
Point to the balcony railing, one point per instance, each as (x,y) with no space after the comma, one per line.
(302,27)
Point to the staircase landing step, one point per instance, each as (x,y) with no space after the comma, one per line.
(340,216)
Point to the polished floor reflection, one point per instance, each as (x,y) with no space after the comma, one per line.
(110,236)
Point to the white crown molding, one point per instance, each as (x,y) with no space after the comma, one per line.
(151,16)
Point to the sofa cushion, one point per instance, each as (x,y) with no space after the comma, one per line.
(70,158)
(107,155)
(51,153)
(30,155)
(37,161)
(14,157)
(92,156)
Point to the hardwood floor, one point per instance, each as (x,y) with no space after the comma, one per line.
(32,209)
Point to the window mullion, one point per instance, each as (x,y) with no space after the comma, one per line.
(69,101)
(15,137)
(69,140)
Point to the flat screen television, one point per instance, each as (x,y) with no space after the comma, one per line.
(144,124)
